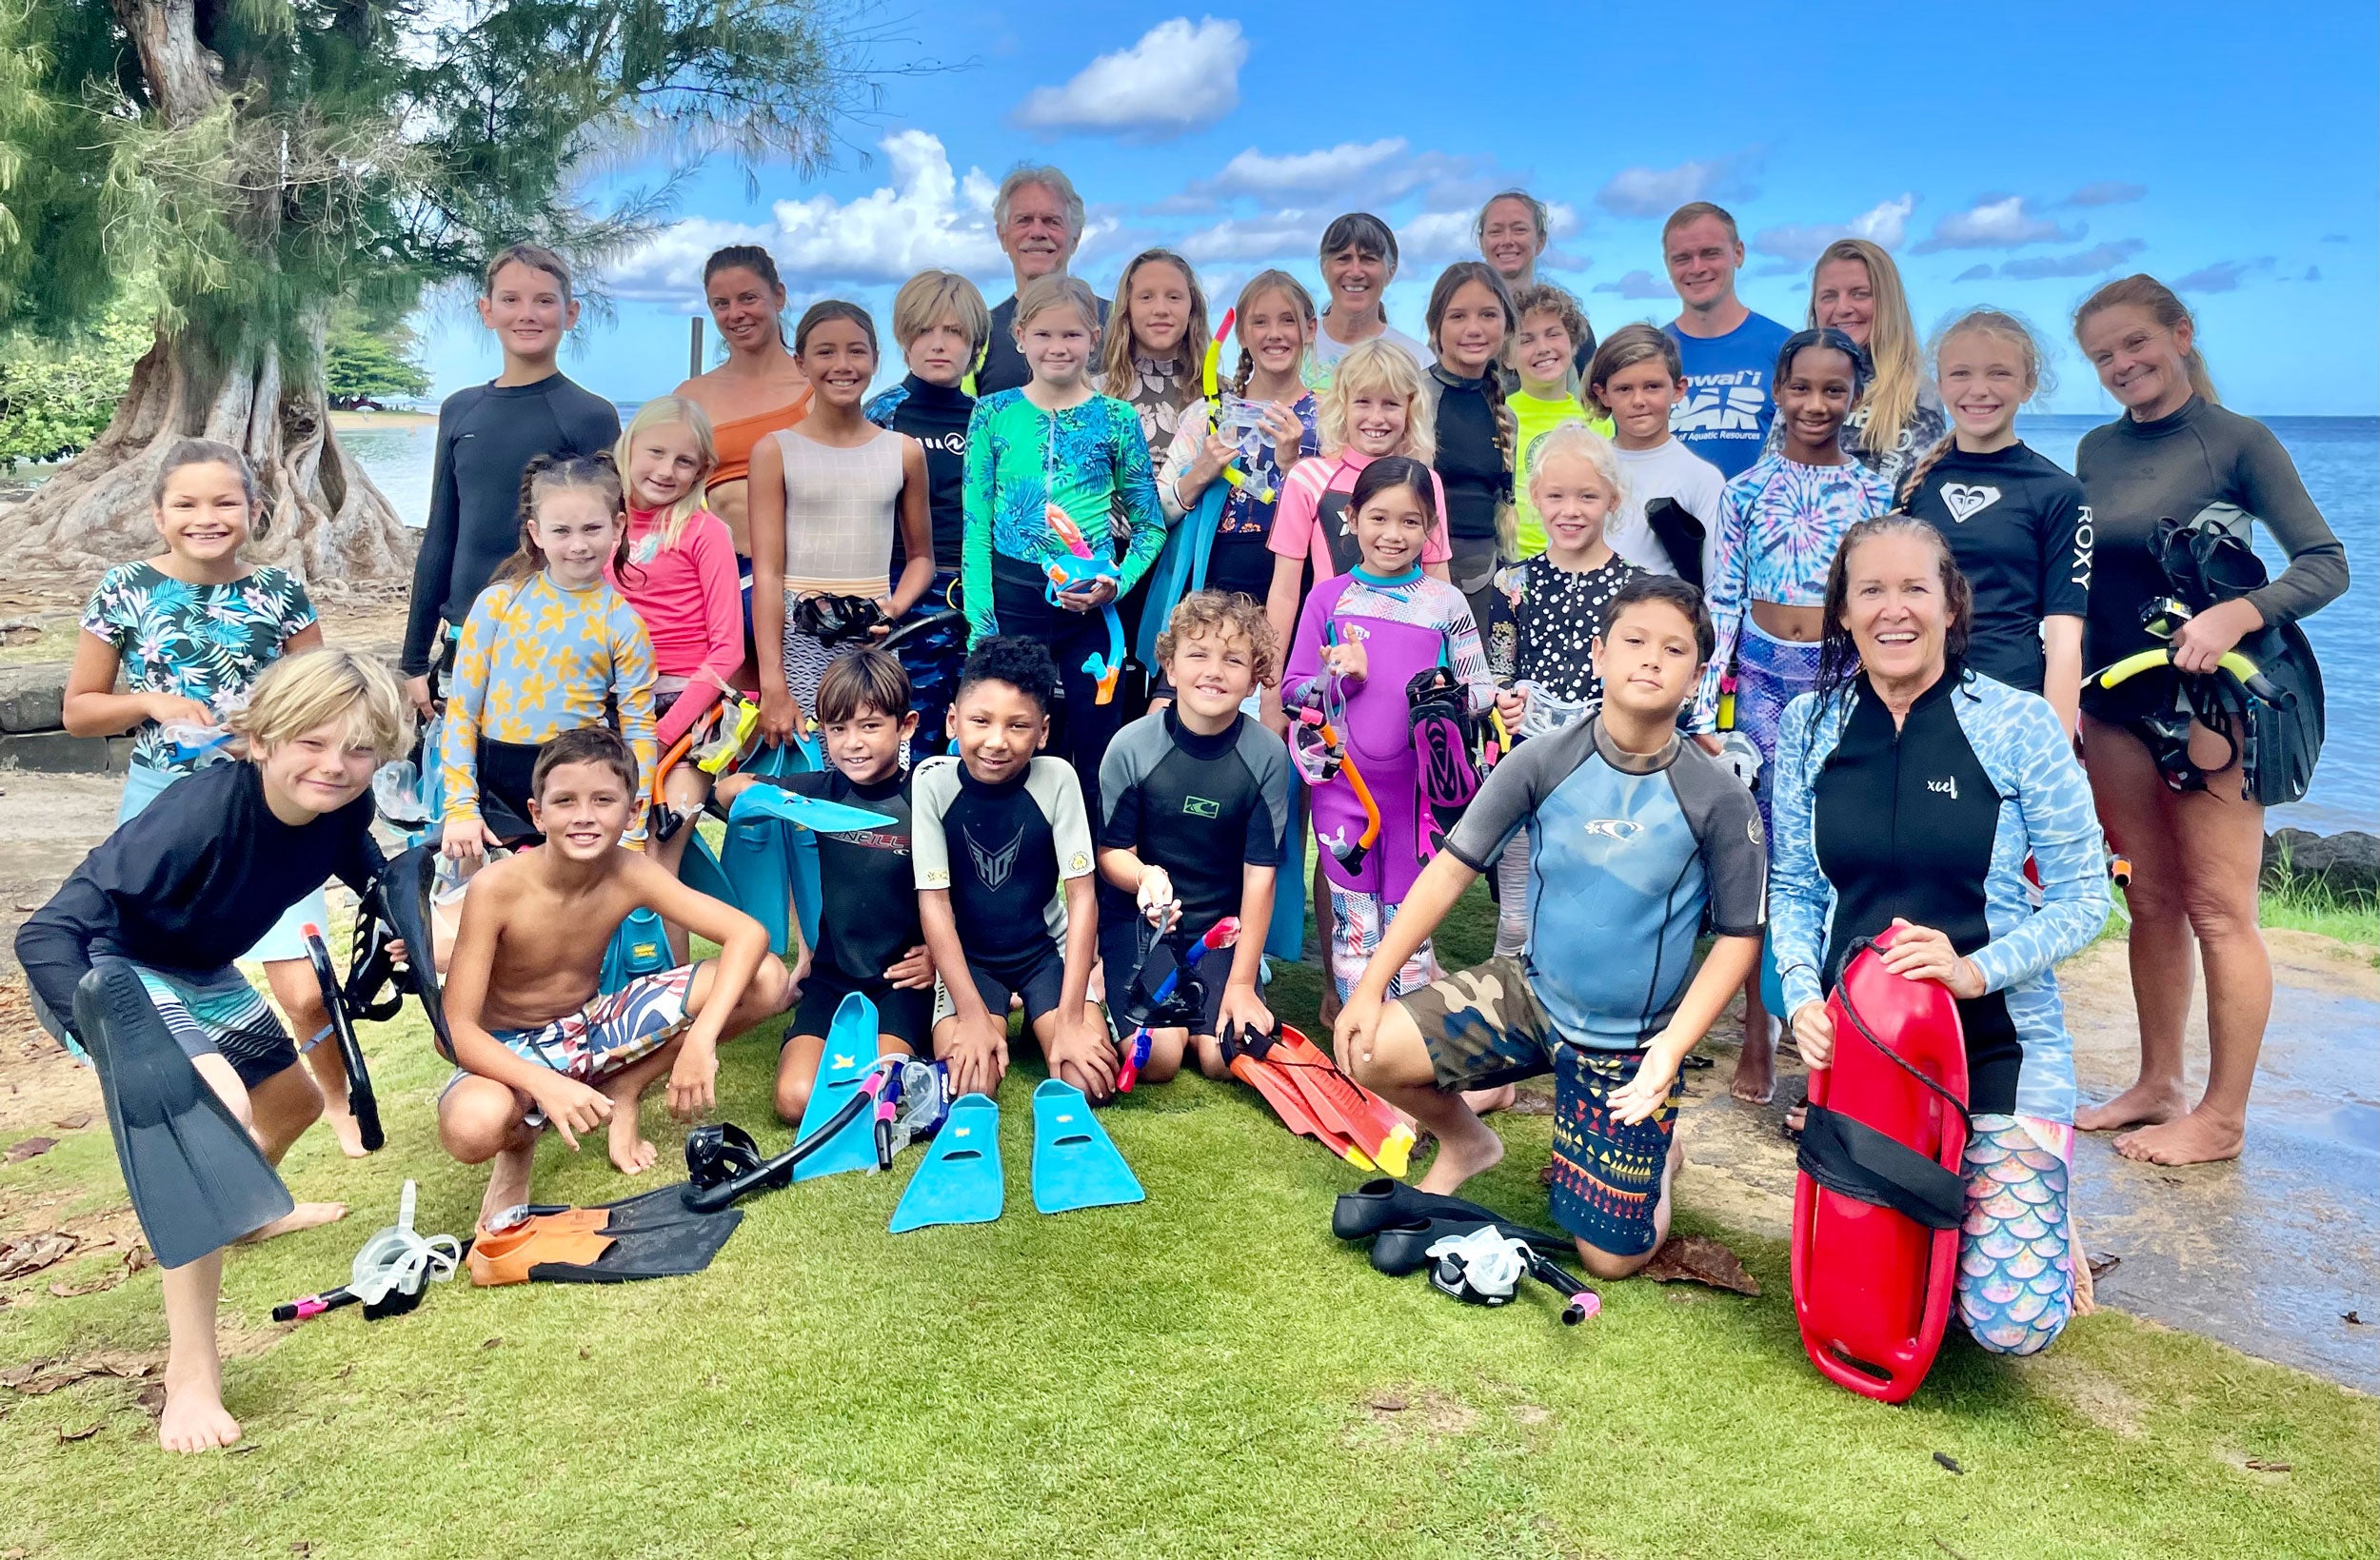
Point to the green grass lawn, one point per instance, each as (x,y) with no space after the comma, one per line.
(1206,1374)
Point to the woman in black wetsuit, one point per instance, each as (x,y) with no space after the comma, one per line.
(2196,852)
(1910,791)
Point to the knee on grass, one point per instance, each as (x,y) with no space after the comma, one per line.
(1605,1265)
(480,1119)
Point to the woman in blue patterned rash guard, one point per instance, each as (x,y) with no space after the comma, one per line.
(1910,792)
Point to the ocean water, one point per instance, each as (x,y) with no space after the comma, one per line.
(2338,456)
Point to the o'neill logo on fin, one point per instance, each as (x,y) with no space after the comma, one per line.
(1944,787)
(993,866)
(1615,828)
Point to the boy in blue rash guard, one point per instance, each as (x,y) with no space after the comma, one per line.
(868,937)
(1193,800)
(1634,834)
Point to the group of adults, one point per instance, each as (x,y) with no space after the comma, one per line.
(2192,830)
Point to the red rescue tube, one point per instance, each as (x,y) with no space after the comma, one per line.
(1871,1286)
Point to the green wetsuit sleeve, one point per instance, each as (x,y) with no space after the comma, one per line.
(980,489)
(1135,488)
(2273,493)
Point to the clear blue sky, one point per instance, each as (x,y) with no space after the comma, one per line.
(2013,154)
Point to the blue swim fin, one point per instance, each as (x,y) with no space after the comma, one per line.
(639,948)
(759,871)
(815,812)
(795,852)
(699,870)
(197,1181)
(841,1067)
(1075,1164)
(960,1180)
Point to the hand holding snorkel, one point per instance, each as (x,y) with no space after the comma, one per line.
(1321,756)
(1210,383)
(1080,581)
(2197,643)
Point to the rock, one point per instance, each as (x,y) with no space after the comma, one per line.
(57,753)
(2345,863)
(32,697)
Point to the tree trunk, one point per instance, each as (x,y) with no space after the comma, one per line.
(318,515)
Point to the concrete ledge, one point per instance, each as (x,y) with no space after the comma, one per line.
(56,753)
(32,697)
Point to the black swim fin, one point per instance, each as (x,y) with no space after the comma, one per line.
(652,1236)
(401,899)
(1402,1249)
(197,1180)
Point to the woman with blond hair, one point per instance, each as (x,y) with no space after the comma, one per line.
(1856,289)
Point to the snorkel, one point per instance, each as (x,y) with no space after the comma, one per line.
(1085,568)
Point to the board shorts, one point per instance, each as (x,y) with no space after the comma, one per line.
(1486,1027)
(612,1033)
(221,1015)
(904,1013)
(286,940)
(1039,979)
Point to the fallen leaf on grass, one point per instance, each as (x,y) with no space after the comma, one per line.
(1948,1462)
(491,1343)
(1390,1404)
(41,1377)
(2103,1264)
(73,1124)
(2351,1319)
(138,1258)
(30,1148)
(1699,1259)
(152,1399)
(83,1435)
(2261,1465)
(32,1252)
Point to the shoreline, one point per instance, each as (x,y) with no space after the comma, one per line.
(356,421)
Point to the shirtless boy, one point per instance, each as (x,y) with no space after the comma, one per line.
(536,1044)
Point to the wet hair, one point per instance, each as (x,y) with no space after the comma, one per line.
(865,679)
(1377,367)
(1048,178)
(1395,471)
(188,452)
(584,744)
(536,257)
(1233,615)
(1021,663)
(1624,349)
(1678,593)
(1057,290)
(301,692)
(743,257)
(1117,351)
(1258,285)
(1573,438)
(1451,280)
(1545,298)
(549,474)
(929,297)
(1695,211)
(1363,233)
(1537,212)
(834,309)
(1831,340)
(2145,292)
(661,412)
(1899,370)
(1838,653)
(1978,321)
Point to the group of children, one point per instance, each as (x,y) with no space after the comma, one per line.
(1442,601)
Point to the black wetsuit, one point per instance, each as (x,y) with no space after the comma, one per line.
(2021,532)
(1905,820)
(192,884)
(936,416)
(1003,851)
(867,912)
(488,434)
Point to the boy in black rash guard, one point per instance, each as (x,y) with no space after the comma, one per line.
(940,323)
(488,434)
(1195,801)
(188,886)
(1003,851)
(868,937)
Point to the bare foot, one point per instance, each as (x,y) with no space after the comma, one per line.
(1471,1151)
(2194,1140)
(306,1216)
(630,1154)
(193,1419)
(1755,1082)
(344,1127)
(2141,1104)
(508,1182)
(1487,1102)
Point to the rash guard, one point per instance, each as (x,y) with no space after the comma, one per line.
(1932,821)
(936,416)
(1203,807)
(2021,532)
(1003,851)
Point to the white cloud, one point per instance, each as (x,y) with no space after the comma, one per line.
(1179,77)
(1353,175)
(1887,224)
(2223,276)
(1657,191)
(1287,235)
(1324,171)
(1996,222)
(1974,274)
(2096,260)
(1638,285)
(927,215)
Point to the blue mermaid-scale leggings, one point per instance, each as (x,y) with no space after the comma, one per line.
(2015,1250)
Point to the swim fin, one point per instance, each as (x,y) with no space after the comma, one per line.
(1075,1162)
(813,813)
(197,1180)
(653,1235)
(1288,1103)
(362,1103)
(1368,1120)
(960,1180)
(1402,1249)
(759,871)
(843,1066)
(402,896)
(639,948)
(699,870)
(1376,1205)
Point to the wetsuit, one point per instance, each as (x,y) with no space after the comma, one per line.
(2021,532)
(1474,455)
(1932,821)
(867,912)
(936,416)
(1205,808)
(487,435)
(1005,854)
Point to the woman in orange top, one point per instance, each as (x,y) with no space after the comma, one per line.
(759,390)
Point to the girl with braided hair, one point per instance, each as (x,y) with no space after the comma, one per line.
(1471,320)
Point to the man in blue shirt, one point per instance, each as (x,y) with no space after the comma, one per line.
(1730,352)
(1634,834)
